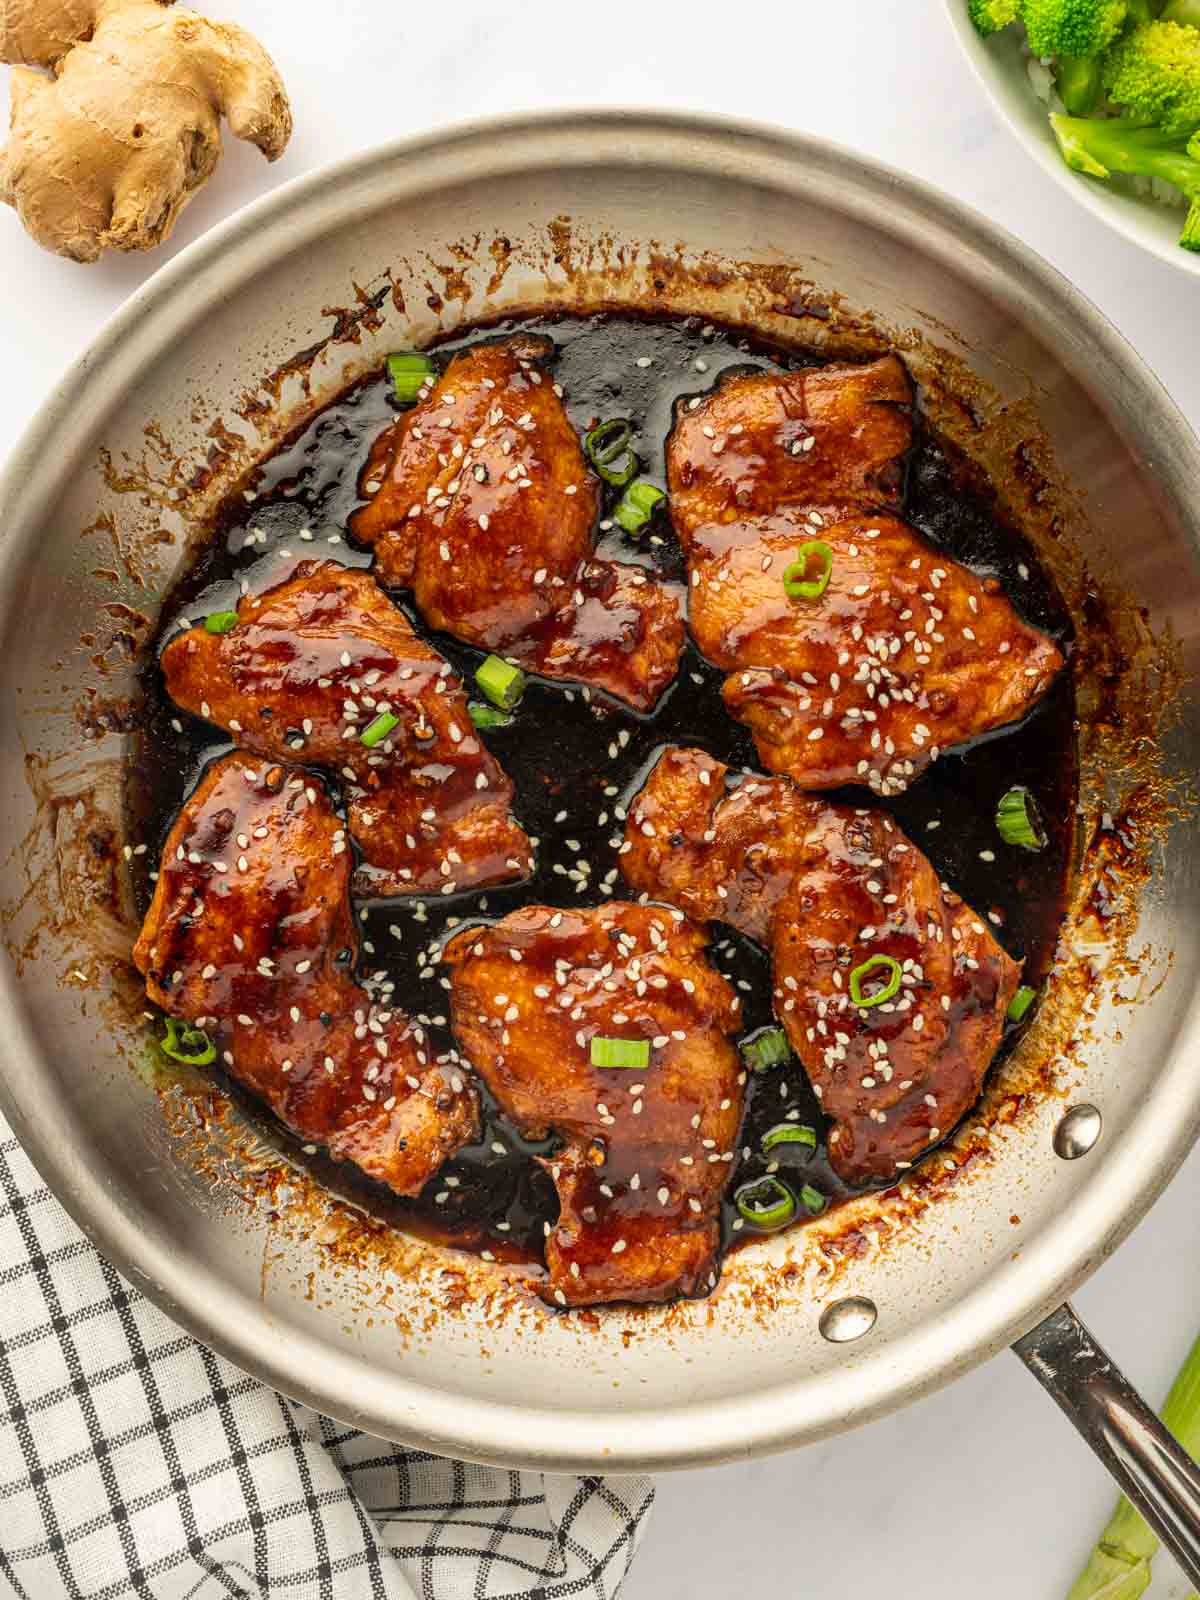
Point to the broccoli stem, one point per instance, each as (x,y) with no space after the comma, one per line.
(1102,146)
(1185,12)
(1119,1566)
(1079,80)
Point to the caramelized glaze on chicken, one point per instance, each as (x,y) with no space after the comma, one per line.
(250,936)
(906,652)
(761,442)
(309,669)
(827,888)
(648,1150)
(483,505)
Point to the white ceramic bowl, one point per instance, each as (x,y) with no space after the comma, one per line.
(999,64)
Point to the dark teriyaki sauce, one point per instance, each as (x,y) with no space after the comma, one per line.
(576,759)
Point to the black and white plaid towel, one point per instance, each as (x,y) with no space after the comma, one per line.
(135,1462)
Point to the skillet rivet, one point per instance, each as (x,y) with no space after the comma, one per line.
(846,1320)
(1077,1132)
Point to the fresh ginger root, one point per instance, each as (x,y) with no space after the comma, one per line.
(105,153)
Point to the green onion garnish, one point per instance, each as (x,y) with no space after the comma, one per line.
(220,621)
(1018,820)
(766,1203)
(766,1050)
(620,1052)
(636,506)
(799,581)
(608,443)
(1021,1002)
(503,683)
(891,987)
(191,1044)
(488,716)
(790,1133)
(410,372)
(376,732)
(813,1200)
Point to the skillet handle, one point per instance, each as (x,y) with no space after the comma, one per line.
(1153,1469)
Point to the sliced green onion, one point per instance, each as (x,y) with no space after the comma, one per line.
(766,1050)
(187,1044)
(1021,1002)
(798,582)
(636,506)
(410,372)
(891,987)
(766,1203)
(620,1052)
(220,621)
(488,716)
(790,1133)
(813,1200)
(376,732)
(503,683)
(1018,820)
(608,443)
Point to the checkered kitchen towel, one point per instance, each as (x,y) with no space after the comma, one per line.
(135,1462)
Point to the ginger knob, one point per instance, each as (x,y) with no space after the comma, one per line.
(116,116)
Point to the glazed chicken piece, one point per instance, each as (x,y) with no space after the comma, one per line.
(648,1150)
(761,442)
(484,506)
(829,888)
(906,652)
(250,936)
(306,675)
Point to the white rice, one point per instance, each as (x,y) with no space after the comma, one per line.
(1158,190)
(1040,71)
(1041,76)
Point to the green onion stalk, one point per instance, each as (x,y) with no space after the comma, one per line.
(766,1049)
(1021,1002)
(410,371)
(804,581)
(609,449)
(1119,1567)
(1018,820)
(636,506)
(501,681)
(766,1203)
(625,1053)
(790,1133)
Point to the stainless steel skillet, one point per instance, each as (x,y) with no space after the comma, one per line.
(180,392)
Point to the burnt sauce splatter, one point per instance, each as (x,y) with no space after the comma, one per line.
(576,759)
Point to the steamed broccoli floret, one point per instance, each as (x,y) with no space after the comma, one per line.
(1072,27)
(989,16)
(1103,146)
(1154,74)
(1076,33)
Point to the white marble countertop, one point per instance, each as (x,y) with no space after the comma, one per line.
(982,1490)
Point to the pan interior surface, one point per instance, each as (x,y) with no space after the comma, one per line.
(197,378)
